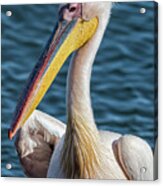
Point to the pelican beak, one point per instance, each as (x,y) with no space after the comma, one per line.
(65,39)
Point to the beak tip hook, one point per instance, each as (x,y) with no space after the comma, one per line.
(10,134)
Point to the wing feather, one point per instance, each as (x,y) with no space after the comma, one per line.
(36,142)
(135,157)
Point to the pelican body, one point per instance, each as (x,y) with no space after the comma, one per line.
(49,148)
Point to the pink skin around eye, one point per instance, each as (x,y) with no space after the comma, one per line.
(73,11)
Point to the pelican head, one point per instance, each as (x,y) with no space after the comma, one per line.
(77,23)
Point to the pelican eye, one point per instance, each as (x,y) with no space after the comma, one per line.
(72,9)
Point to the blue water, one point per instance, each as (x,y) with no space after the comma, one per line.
(123,83)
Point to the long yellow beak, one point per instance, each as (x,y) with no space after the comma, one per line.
(48,67)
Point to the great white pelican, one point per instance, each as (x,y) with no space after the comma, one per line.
(49,148)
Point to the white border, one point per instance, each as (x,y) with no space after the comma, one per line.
(42,182)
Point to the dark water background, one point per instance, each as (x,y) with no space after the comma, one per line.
(122,86)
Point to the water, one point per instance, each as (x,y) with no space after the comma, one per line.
(123,83)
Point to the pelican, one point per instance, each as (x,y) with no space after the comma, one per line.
(47,147)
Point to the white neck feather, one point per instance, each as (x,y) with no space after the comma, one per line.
(78,98)
(82,137)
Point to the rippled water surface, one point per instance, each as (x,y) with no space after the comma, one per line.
(122,85)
